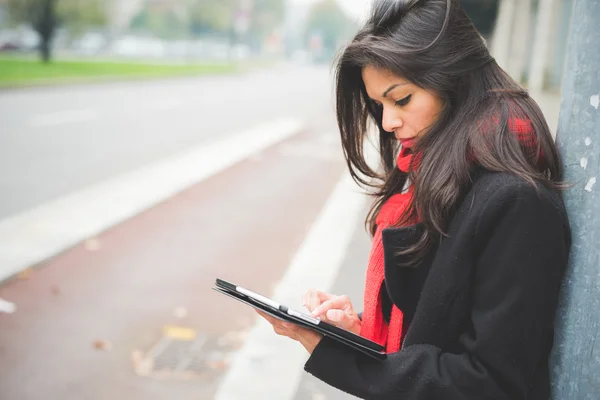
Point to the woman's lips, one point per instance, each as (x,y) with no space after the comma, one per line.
(407,142)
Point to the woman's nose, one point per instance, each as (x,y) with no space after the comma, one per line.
(390,122)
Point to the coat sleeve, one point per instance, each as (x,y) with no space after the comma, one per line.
(515,291)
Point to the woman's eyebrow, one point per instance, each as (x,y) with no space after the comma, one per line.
(392,88)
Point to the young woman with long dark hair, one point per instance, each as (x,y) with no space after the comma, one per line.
(470,234)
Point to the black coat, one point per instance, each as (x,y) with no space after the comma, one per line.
(481,306)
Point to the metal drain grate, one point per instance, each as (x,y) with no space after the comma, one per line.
(177,355)
(183,354)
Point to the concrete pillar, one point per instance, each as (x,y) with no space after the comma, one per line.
(502,35)
(558,50)
(518,56)
(543,40)
(510,43)
(575,361)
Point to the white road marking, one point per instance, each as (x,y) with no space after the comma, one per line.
(165,105)
(63,117)
(35,235)
(313,150)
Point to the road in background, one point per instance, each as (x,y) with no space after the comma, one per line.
(129,313)
(57,140)
(83,316)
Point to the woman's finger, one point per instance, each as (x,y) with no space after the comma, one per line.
(313,298)
(306,337)
(266,316)
(335,315)
(341,319)
(280,327)
(270,319)
(281,330)
(338,302)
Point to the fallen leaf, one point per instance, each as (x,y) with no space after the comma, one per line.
(217,360)
(25,274)
(217,365)
(102,345)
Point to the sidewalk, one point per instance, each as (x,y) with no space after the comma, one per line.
(130,314)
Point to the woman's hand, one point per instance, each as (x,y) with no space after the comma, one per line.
(309,339)
(336,310)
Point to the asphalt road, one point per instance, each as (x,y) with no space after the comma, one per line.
(58,140)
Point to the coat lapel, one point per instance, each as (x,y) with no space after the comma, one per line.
(404,283)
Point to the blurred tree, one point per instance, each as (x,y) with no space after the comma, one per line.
(265,17)
(45,16)
(163,20)
(329,24)
(211,16)
(252,20)
(3,16)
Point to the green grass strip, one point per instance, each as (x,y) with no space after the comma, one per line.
(20,71)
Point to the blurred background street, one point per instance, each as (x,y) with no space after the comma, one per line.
(148,147)
(61,140)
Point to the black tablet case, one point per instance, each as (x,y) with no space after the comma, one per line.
(348,338)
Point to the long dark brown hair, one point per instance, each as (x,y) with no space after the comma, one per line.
(433,44)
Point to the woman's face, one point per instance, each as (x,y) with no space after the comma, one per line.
(408,110)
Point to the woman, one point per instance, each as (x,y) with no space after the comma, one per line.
(470,235)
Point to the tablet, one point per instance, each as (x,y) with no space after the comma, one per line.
(305,320)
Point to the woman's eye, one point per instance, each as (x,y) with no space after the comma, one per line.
(404,101)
